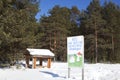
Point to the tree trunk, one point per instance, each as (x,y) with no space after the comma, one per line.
(55,40)
(112,46)
(96,50)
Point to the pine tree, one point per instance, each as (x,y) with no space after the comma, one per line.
(93,23)
(111,16)
(17,26)
(55,29)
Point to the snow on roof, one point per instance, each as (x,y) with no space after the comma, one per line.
(40,52)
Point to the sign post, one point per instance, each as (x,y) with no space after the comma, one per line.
(75,53)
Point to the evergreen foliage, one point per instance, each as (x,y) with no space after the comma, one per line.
(17,26)
(55,29)
(99,24)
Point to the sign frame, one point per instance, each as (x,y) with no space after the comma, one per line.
(75,53)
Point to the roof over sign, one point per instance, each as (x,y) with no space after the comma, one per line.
(40,52)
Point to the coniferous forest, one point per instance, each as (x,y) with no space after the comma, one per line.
(19,29)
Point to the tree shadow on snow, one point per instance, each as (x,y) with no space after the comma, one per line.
(52,74)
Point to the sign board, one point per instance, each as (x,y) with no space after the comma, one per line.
(75,51)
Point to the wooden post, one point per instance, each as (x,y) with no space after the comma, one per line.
(27,61)
(34,62)
(40,62)
(49,63)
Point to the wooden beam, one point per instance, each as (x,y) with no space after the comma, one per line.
(40,61)
(34,62)
(49,63)
(27,60)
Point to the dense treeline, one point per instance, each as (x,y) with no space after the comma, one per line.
(56,28)
(100,24)
(17,28)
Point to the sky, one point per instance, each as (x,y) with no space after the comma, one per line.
(46,5)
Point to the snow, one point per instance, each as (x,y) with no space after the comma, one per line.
(43,52)
(59,71)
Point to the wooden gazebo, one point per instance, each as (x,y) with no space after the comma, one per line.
(38,54)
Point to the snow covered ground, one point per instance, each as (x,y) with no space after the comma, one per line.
(59,71)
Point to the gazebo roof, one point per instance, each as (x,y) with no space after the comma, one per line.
(40,52)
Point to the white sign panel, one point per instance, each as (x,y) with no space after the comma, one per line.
(75,51)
